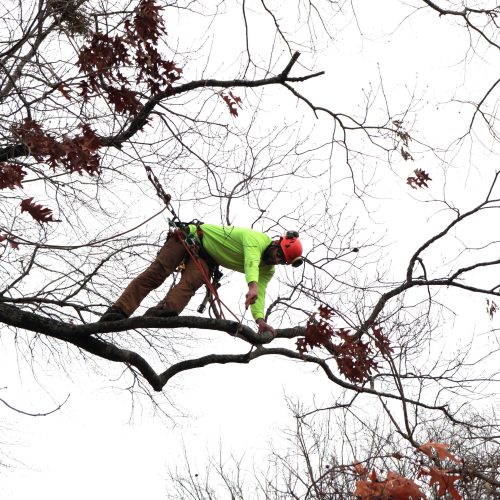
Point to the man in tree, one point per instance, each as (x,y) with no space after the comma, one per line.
(244,250)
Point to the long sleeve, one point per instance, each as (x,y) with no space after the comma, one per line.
(252,254)
(240,249)
(265,275)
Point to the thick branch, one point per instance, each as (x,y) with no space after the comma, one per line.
(84,336)
(261,351)
(16,317)
(446,282)
(444,12)
(460,13)
(138,122)
(465,14)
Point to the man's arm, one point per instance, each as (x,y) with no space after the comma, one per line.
(250,299)
(252,294)
(257,307)
(257,277)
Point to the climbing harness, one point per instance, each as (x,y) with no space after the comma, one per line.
(195,250)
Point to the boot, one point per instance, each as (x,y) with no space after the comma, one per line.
(160,312)
(114,313)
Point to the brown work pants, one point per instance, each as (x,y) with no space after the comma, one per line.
(168,258)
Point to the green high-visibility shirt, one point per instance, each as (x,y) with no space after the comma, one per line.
(239,249)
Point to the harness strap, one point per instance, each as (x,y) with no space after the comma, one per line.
(206,278)
(213,266)
(197,252)
(199,231)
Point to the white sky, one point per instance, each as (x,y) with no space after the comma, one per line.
(97,445)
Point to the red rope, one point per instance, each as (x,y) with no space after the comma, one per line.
(206,277)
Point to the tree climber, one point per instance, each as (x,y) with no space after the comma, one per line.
(244,250)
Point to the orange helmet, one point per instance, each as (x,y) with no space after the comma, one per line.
(291,248)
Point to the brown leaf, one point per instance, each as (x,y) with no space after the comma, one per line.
(104,57)
(236,99)
(31,133)
(11,175)
(360,469)
(441,450)
(318,332)
(491,308)
(38,212)
(89,141)
(444,480)
(354,357)
(148,23)
(326,312)
(124,100)
(10,241)
(382,342)
(400,487)
(232,101)
(394,487)
(406,155)
(76,154)
(301,345)
(65,90)
(420,179)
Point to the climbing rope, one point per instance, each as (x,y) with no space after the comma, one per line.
(180,236)
(217,303)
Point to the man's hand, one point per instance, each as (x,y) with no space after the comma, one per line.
(252,294)
(264,327)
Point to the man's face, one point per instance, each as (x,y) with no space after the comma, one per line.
(273,255)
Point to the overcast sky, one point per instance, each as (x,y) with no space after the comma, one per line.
(99,444)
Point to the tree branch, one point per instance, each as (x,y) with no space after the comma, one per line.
(85,336)
(139,121)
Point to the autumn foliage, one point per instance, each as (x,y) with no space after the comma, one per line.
(11,175)
(74,154)
(112,68)
(371,486)
(115,71)
(419,180)
(438,449)
(393,486)
(356,361)
(355,358)
(38,212)
(116,65)
(232,101)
